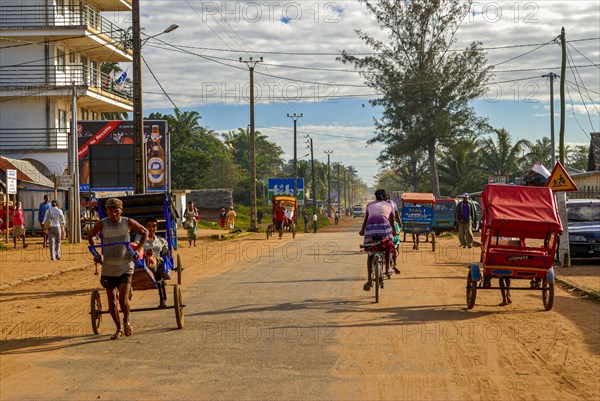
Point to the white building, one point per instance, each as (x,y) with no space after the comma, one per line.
(46,46)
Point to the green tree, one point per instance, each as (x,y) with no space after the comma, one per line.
(499,156)
(426,89)
(578,158)
(539,151)
(459,169)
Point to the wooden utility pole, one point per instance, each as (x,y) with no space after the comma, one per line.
(251,64)
(295,117)
(139,148)
(563,72)
(328,153)
(564,254)
(552,143)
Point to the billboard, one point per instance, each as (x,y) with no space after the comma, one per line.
(285,186)
(108,170)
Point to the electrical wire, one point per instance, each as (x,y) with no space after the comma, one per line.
(159,84)
(569,60)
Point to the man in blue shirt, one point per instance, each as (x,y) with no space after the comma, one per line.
(44,207)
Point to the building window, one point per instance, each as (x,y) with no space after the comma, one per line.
(62,120)
(85,114)
(60,60)
(94,115)
(72,58)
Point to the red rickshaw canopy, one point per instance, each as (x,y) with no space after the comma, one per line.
(519,211)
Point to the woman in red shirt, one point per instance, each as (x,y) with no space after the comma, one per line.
(18,224)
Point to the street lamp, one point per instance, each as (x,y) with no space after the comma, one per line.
(295,117)
(139,148)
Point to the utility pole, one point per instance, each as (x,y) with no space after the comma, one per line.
(339,193)
(345,190)
(564,253)
(251,64)
(295,117)
(328,153)
(139,144)
(563,71)
(552,145)
(74,201)
(314,181)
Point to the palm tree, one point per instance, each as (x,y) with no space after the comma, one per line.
(459,168)
(500,157)
(540,151)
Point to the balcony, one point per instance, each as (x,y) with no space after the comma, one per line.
(41,78)
(15,140)
(24,19)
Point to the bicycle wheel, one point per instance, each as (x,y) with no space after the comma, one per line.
(377,264)
(96,311)
(471,291)
(547,294)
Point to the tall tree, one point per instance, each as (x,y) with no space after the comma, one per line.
(499,156)
(425,87)
(540,151)
(460,170)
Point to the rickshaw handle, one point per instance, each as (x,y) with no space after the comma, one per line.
(132,253)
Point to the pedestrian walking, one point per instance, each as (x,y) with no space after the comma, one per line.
(305,216)
(231,215)
(223,218)
(191,217)
(55,221)
(315,219)
(259,216)
(464,215)
(43,208)
(18,224)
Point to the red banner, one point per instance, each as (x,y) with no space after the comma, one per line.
(99,136)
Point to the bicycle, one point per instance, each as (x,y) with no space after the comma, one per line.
(376,259)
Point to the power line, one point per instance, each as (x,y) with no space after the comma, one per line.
(161,87)
(569,59)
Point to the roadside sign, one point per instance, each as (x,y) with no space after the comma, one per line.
(497,179)
(559,180)
(285,186)
(11,181)
(64,181)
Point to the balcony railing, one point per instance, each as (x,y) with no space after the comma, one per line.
(39,77)
(23,16)
(33,139)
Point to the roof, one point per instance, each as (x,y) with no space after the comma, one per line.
(418,197)
(520,211)
(26,171)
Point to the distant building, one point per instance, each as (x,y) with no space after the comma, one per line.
(47,47)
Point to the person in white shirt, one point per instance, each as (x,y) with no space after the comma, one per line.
(57,221)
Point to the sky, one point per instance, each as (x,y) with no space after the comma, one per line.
(198,66)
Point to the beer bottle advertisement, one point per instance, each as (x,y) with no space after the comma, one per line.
(156,161)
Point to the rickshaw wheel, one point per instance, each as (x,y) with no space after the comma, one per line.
(432,242)
(293,231)
(178,304)
(269,231)
(95,309)
(471,291)
(179,269)
(547,294)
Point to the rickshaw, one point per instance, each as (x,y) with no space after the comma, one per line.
(289,202)
(417,216)
(140,207)
(519,233)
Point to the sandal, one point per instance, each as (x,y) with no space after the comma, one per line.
(128,329)
(118,334)
(367,286)
(396,270)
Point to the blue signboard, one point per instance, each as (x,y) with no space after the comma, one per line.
(416,218)
(285,186)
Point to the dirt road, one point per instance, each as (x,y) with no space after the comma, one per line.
(270,319)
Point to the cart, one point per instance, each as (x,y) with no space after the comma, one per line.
(520,227)
(140,207)
(417,216)
(289,202)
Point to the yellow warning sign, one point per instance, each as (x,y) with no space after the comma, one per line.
(559,180)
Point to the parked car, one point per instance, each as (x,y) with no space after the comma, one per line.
(443,215)
(477,224)
(583,216)
(358,211)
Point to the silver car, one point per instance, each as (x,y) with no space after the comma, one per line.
(358,211)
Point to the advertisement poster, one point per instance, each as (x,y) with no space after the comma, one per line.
(285,186)
(117,132)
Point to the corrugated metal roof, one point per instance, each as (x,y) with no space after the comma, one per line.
(26,171)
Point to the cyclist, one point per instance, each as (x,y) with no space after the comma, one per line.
(379,222)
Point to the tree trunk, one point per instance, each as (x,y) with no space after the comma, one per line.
(435,182)
(415,176)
